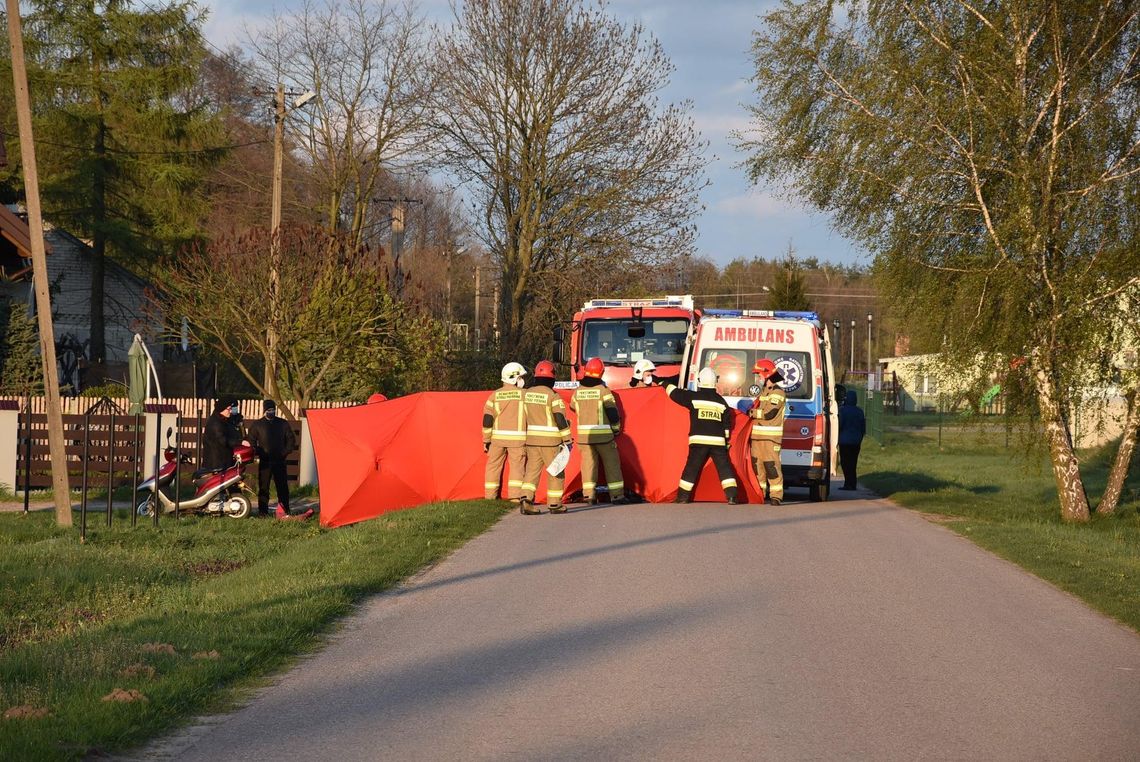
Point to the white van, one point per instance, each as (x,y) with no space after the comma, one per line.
(731,341)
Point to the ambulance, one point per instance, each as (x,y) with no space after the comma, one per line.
(731,341)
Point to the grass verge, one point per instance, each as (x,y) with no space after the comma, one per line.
(999,492)
(170,621)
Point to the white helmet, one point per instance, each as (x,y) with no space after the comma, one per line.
(706,379)
(642,367)
(512,372)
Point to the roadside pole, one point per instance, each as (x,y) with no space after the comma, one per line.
(59,479)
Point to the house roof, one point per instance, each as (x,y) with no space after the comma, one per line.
(16,230)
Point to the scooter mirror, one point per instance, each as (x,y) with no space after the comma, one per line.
(169,431)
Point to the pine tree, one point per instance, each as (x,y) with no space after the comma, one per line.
(788,290)
(20,370)
(129,141)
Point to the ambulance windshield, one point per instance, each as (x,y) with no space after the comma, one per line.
(734,371)
(663,342)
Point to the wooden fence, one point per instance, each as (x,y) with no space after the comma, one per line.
(116,443)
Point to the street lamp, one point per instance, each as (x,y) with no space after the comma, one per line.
(851,369)
(869,350)
(837,351)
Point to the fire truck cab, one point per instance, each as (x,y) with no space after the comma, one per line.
(623,331)
(731,341)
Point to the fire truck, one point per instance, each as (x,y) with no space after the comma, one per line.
(623,331)
(731,341)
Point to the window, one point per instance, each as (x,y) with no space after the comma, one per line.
(663,342)
(734,371)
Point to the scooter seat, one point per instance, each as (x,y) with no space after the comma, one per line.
(201,472)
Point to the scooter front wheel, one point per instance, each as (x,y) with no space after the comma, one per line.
(237,506)
(146,507)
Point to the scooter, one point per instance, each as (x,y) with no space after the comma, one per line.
(221,492)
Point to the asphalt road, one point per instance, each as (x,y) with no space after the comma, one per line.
(850,629)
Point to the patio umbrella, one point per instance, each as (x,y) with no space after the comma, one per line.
(136,376)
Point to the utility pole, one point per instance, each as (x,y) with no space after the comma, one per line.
(60,488)
(275,243)
(495,316)
(868,350)
(478,332)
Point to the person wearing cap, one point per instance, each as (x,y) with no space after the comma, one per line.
(273,438)
(221,435)
(599,422)
(767,435)
(546,431)
(710,427)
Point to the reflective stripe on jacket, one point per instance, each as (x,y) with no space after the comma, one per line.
(546,423)
(504,420)
(598,420)
(710,417)
(767,415)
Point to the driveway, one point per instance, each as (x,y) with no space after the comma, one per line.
(847,629)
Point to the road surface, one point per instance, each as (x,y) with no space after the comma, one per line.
(850,629)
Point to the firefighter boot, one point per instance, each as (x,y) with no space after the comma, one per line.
(527,508)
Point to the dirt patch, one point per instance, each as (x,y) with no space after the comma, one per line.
(206,655)
(138,670)
(125,696)
(212,568)
(26,712)
(158,648)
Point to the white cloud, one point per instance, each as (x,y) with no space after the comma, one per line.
(758,205)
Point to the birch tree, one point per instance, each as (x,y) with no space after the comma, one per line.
(548,113)
(987,155)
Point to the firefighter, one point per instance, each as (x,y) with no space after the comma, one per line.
(598,425)
(710,429)
(546,430)
(504,434)
(645,374)
(767,415)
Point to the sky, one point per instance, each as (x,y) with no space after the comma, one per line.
(708,43)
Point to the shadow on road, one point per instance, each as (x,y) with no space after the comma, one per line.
(888,483)
(775,520)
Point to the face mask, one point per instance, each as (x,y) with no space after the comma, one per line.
(647,379)
(520,383)
(270,413)
(235,410)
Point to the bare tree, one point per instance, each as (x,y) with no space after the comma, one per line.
(364,60)
(547,111)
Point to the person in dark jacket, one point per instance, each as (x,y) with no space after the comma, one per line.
(710,426)
(852,428)
(221,436)
(274,440)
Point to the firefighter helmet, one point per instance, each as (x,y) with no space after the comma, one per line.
(764,367)
(706,379)
(544,369)
(512,371)
(595,368)
(642,367)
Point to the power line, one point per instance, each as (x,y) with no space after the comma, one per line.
(127,152)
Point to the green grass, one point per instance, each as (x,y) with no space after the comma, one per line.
(998,490)
(74,618)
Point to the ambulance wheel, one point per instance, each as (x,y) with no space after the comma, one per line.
(820,492)
(237,506)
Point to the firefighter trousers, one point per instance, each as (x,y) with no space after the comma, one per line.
(515,457)
(607,453)
(538,457)
(766,462)
(698,455)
